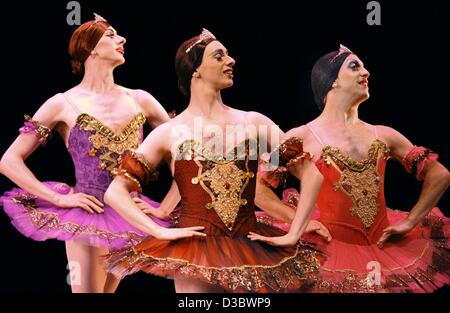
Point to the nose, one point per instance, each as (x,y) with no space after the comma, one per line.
(122,40)
(365,73)
(230,61)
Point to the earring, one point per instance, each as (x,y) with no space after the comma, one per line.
(93,52)
(196,74)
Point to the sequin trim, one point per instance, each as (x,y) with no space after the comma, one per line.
(221,178)
(51,222)
(303,265)
(43,133)
(359,180)
(108,146)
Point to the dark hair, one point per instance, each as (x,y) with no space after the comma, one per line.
(83,41)
(187,62)
(324,73)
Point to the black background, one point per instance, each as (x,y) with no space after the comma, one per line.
(275,45)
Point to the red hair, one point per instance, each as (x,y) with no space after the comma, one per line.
(83,41)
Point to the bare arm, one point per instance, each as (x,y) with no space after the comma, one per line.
(311,179)
(154,111)
(156,115)
(269,202)
(436,181)
(154,148)
(269,134)
(168,204)
(13,164)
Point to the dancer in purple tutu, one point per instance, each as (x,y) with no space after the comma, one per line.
(98,120)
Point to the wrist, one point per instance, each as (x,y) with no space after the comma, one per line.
(411,221)
(292,237)
(154,230)
(55,198)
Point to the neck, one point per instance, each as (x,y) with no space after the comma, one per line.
(98,78)
(205,101)
(340,111)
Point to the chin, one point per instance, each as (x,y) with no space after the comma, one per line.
(119,62)
(363,98)
(227,84)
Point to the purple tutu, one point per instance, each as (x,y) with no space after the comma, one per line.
(40,220)
(95,151)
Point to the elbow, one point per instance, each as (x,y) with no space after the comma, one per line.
(108,196)
(258,200)
(446,178)
(5,163)
(442,176)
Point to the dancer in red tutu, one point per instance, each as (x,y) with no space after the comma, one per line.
(373,248)
(216,177)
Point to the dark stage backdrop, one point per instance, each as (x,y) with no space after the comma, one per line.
(275,45)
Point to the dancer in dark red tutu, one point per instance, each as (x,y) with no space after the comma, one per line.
(216,178)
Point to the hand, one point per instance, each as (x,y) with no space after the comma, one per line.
(178,233)
(400,228)
(281,241)
(148,209)
(318,228)
(79,200)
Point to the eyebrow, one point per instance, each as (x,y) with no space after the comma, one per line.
(219,50)
(111,30)
(355,60)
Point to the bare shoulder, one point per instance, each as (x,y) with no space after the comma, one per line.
(256,117)
(300,131)
(55,102)
(389,134)
(259,119)
(396,142)
(143,98)
(52,110)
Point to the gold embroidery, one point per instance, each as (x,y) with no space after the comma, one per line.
(42,132)
(377,147)
(265,219)
(362,188)
(141,159)
(122,172)
(223,180)
(350,282)
(303,265)
(359,180)
(51,221)
(106,144)
(392,280)
(190,149)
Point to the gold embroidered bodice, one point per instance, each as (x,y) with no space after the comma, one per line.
(106,145)
(359,180)
(223,178)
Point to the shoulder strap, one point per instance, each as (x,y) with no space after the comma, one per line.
(315,135)
(375,131)
(72,104)
(134,95)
